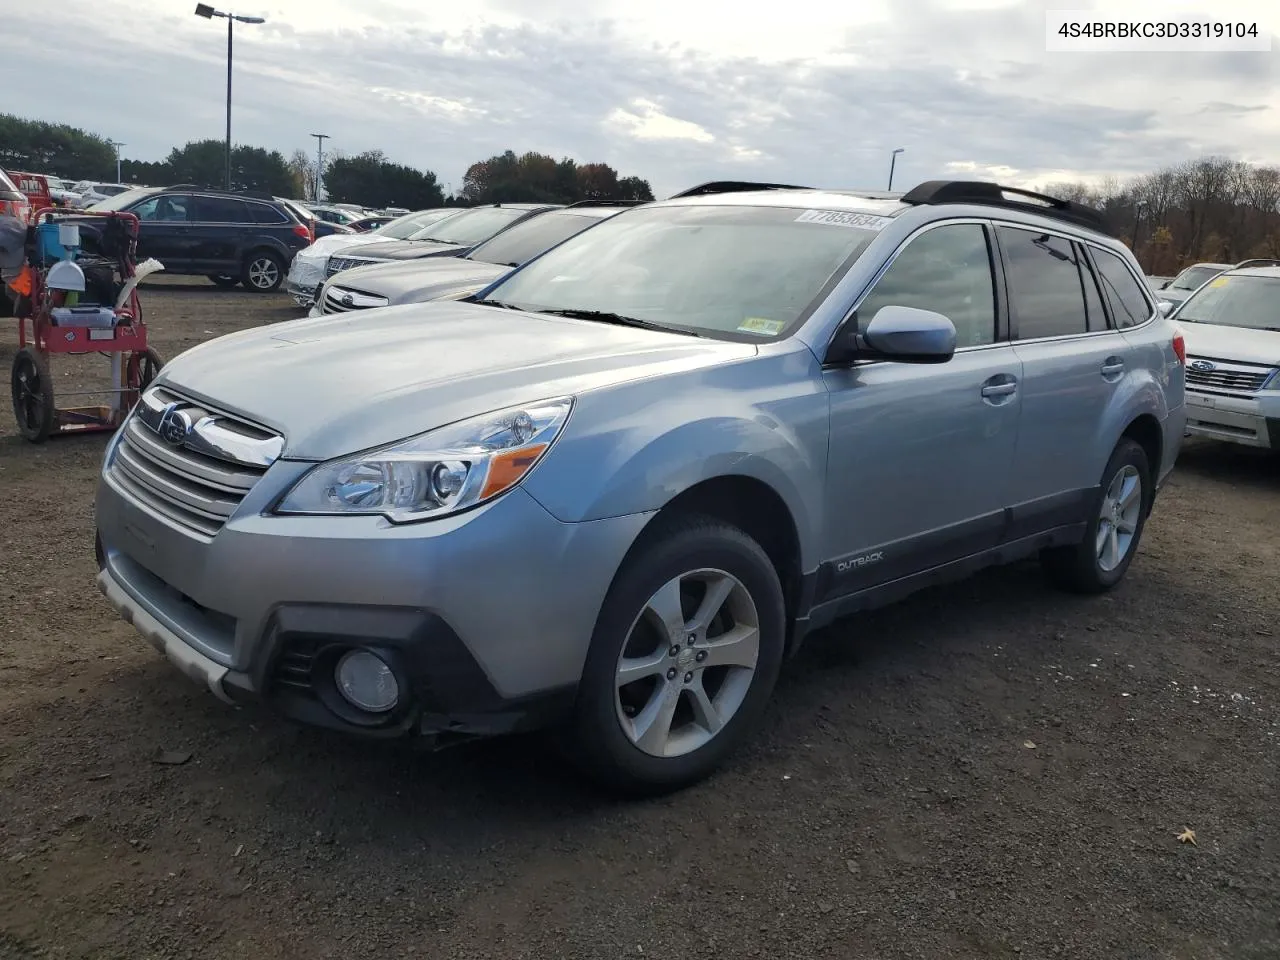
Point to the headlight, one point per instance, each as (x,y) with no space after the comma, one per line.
(1272,382)
(435,474)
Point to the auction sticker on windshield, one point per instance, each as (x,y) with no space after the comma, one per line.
(761,325)
(844,218)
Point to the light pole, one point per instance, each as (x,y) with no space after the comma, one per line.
(320,139)
(117,144)
(893,158)
(206,11)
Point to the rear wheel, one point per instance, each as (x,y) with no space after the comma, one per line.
(683,660)
(1100,560)
(32,387)
(263,272)
(224,281)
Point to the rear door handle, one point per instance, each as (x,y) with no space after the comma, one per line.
(1112,367)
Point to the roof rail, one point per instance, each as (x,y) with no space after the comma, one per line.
(1258,262)
(603,203)
(732,186)
(252,194)
(985,193)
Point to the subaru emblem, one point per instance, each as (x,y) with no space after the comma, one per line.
(175,425)
(1202,366)
(348,300)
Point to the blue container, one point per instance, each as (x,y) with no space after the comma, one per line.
(48,247)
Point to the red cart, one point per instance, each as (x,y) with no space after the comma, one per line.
(40,335)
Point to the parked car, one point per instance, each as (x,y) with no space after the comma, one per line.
(59,190)
(446,238)
(97,192)
(612,492)
(310,267)
(35,187)
(319,228)
(13,202)
(338,215)
(413,281)
(1232,328)
(230,237)
(396,211)
(365,224)
(1185,283)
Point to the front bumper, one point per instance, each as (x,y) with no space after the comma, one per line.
(485,617)
(306,274)
(1251,421)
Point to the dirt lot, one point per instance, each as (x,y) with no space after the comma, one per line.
(989,770)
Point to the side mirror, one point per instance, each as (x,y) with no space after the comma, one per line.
(908,335)
(1165,307)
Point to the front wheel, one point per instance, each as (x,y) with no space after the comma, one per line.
(263,272)
(1100,560)
(684,657)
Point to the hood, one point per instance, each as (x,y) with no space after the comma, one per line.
(410,249)
(411,281)
(327,246)
(1217,342)
(347,382)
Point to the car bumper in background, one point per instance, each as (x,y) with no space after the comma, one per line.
(1251,421)
(306,274)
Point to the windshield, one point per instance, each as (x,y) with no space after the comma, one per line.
(123,200)
(526,240)
(6,183)
(470,227)
(744,272)
(55,183)
(406,226)
(1192,277)
(1238,300)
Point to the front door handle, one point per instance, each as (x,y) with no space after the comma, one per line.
(1112,367)
(999,389)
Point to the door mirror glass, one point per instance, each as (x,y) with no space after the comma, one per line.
(908,335)
(1165,307)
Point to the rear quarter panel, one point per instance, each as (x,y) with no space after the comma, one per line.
(1159,384)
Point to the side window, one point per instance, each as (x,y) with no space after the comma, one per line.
(265,213)
(947,270)
(1046,298)
(162,208)
(219,210)
(1092,299)
(1129,305)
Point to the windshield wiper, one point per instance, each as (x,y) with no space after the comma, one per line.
(493,303)
(605,316)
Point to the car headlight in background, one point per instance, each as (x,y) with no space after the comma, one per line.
(435,474)
(1272,382)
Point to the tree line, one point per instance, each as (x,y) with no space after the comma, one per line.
(369,179)
(1213,209)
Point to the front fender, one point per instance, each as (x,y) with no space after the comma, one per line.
(633,447)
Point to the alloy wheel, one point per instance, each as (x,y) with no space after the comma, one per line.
(688,663)
(264,273)
(1118,521)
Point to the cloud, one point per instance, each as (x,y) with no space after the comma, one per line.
(819,96)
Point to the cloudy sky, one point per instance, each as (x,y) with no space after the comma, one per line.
(676,91)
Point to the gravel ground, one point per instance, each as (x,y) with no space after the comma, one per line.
(987,770)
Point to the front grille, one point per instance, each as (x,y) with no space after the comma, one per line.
(1226,377)
(344,300)
(188,463)
(338,264)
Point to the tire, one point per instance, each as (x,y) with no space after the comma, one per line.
(263,272)
(1088,567)
(141,368)
(224,281)
(607,738)
(32,388)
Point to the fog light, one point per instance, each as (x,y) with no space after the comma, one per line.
(366,682)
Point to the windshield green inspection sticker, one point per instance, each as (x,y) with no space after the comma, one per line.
(844,218)
(761,325)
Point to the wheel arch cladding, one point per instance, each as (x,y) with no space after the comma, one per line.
(1144,430)
(1138,405)
(753,507)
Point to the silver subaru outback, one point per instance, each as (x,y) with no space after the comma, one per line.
(611,492)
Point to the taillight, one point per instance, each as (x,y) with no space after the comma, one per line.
(1179,346)
(301,230)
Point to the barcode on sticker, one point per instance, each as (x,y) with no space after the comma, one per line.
(844,218)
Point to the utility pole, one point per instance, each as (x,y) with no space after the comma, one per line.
(117,144)
(893,158)
(320,139)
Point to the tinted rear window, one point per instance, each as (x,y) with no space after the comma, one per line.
(265,213)
(217,210)
(1129,305)
(1045,291)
